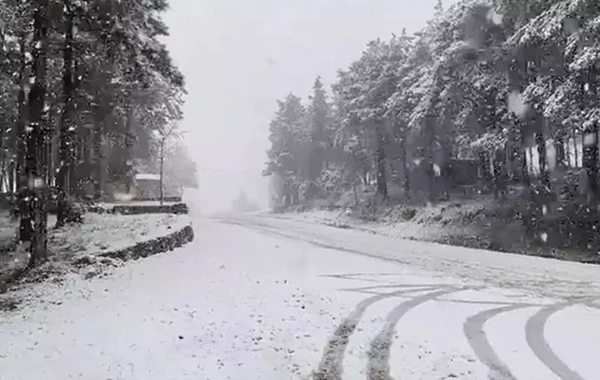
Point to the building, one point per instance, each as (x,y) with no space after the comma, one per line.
(147,186)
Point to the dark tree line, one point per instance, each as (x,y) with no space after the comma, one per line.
(508,89)
(86,86)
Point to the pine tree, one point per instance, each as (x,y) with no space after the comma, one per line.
(66,65)
(318,115)
(288,155)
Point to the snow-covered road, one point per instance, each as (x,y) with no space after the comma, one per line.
(258,297)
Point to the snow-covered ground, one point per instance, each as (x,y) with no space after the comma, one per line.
(476,224)
(100,233)
(111,232)
(261,298)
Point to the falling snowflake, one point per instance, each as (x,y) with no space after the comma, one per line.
(570,25)
(517,104)
(38,183)
(589,139)
(494,17)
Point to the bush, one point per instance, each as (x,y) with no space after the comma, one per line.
(408,213)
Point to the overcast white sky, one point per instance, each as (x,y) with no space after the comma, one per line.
(238,57)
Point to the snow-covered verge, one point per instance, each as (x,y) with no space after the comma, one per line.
(107,232)
(89,249)
(473,223)
(535,275)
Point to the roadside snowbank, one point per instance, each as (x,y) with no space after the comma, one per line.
(447,224)
(534,275)
(476,224)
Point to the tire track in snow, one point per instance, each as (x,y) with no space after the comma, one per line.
(331,365)
(534,333)
(360,276)
(378,365)
(271,231)
(381,287)
(534,326)
(475,333)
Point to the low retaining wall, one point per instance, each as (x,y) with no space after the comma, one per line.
(153,246)
(177,208)
(173,199)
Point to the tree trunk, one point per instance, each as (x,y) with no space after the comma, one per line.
(590,136)
(401,134)
(4,157)
(520,150)
(382,189)
(35,198)
(97,147)
(104,101)
(129,144)
(430,132)
(287,194)
(162,162)
(25,230)
(429,157)
(11,177)
(540,142)
(79,138)
(65,171)
(561,158)
(517,77)
(295,195)
(590,161)
(102,116)
(405,169)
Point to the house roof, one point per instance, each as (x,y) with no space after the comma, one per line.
(147,177)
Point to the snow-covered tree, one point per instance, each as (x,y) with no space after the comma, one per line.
(79,83)
(318,116)
(512,84)
(290,148)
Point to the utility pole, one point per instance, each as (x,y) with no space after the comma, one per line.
(162,161)
(163,135)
